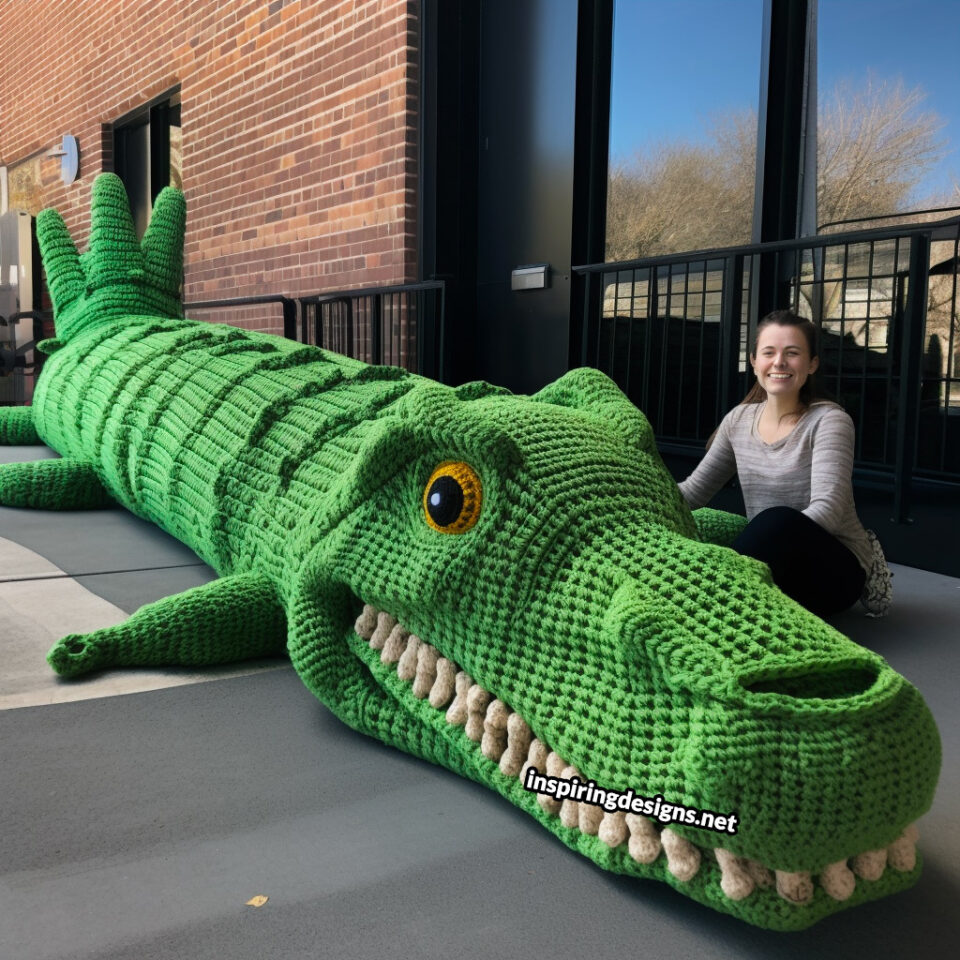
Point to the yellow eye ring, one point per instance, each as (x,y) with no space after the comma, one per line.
(452,497)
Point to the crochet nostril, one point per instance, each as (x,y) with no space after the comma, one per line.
(76,646)
(818,684)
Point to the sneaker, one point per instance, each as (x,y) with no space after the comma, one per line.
(878,587)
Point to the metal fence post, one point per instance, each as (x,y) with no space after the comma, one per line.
(911,355)
(731,319)
(351,351)
(289,318)
(439,323)
(376,331)
(587,317)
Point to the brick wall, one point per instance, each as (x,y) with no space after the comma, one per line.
(299,122)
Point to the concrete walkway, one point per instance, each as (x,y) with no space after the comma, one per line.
(141,810)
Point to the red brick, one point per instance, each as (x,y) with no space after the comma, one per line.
(299,128)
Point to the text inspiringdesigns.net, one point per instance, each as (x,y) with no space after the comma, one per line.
(629,801)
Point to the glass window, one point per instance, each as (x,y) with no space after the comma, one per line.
(888,137)
(147,149)
(683,125)
(889,119)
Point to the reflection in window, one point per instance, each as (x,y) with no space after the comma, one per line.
(888,137)
(683,125)
(147,149)
(888,125)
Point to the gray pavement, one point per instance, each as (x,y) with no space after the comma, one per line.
(137,822)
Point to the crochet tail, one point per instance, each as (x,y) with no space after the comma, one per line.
(118,274)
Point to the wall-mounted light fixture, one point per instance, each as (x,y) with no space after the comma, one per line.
(69,159)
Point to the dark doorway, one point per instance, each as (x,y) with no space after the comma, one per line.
(525,188)
(516,100)
(146,154)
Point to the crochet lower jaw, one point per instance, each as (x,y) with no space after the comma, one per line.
(500,746)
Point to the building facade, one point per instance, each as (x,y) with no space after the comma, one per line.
(291,126)
(332,145)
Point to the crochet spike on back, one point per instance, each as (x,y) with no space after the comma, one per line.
(118,275)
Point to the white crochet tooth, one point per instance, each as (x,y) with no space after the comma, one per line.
(555,764)
(494,740)
(385,623)
(518,745)
(902,853)
(549,804)
(870,864)
(477,701)
(645,843)
(555,767)
(570,809)
(591,816)
(457,711)
(367,622)
(838,880)
(536,757)
(735,879)
(762,876)
(444,686)
(427,657)
(683,858)
(570,813)
(797,887)
(613,829)
(395,644)
(407,664)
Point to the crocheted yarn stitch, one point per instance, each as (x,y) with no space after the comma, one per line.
(490,582)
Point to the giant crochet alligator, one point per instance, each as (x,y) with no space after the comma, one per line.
(490,582)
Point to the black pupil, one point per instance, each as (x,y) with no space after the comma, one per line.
(444,501)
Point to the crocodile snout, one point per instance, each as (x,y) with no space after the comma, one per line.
(780,717)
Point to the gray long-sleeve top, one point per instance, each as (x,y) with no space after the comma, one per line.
(810,469)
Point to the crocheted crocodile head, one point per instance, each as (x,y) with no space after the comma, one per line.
(509,586)
(536,595)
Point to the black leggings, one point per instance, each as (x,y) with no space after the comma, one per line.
(807,563)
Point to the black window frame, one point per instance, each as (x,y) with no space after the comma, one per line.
(151,121)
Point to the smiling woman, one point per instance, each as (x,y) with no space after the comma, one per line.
(793,452)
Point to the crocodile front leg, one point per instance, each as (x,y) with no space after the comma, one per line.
(233,618)
(65,484)
(16,427)
(718,526)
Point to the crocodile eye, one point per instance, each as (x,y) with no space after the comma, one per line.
(452,497)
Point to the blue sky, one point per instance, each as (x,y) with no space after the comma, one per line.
(677,62)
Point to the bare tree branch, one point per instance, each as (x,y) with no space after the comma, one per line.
(875,145)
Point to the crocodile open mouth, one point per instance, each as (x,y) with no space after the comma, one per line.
(505,738)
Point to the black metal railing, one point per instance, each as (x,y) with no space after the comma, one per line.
(673,331)
(287,305)
(400,325)
(19,362)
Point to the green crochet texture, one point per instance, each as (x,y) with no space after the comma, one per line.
(483,580)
